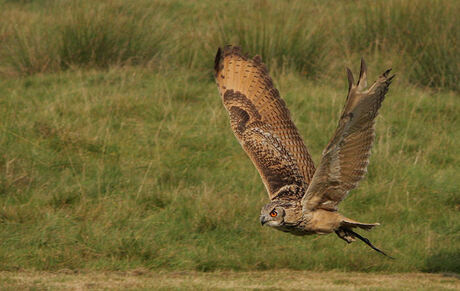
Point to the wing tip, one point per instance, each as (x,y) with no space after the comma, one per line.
(362,81)
(218,62)
(386,78)
(385,74)
(351,79)
(233,50)
(222,53)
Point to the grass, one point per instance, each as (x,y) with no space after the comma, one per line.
(116,170)
(117,153)
(297,280)
(310,37)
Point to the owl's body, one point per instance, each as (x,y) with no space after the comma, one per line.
(303,199)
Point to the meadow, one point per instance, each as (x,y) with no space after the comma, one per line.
(116,152)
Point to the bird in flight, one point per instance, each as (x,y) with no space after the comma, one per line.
(303,200)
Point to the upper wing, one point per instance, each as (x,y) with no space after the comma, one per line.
(261,122)
(345,159)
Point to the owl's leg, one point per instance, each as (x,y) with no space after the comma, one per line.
(349,236)
(345,235)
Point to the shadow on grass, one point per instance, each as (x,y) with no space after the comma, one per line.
(443,262)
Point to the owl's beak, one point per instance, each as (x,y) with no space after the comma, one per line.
(262,220)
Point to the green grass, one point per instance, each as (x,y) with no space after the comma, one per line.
(311,37)
(117,152)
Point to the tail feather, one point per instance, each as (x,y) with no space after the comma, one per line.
(350,223)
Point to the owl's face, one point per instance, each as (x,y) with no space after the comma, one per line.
(273,214)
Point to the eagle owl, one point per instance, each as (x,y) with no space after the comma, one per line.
(304,200)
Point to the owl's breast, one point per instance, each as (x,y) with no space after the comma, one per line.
(295,229)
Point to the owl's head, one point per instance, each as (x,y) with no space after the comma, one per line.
(274,213)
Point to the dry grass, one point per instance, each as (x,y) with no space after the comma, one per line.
(279,280)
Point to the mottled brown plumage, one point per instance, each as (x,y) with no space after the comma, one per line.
(261,121)
(303,201)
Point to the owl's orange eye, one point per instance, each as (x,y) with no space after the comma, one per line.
(273,213)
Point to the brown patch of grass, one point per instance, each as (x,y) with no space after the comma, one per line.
(280,280)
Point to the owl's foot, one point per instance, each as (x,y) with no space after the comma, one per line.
(349,236)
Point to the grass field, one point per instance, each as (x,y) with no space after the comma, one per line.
(116,152)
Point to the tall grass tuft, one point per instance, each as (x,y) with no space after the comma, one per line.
(283,33)
(83,34)
(101,35)
(27,43)
(28,53)
(422,34)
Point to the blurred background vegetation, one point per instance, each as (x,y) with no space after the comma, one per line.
(116,152)
(311,37)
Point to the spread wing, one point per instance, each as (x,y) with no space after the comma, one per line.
(262,124)
(345,159)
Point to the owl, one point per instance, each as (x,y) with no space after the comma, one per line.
(303,199)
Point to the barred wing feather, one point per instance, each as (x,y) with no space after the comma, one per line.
(345,159)
(261,123)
